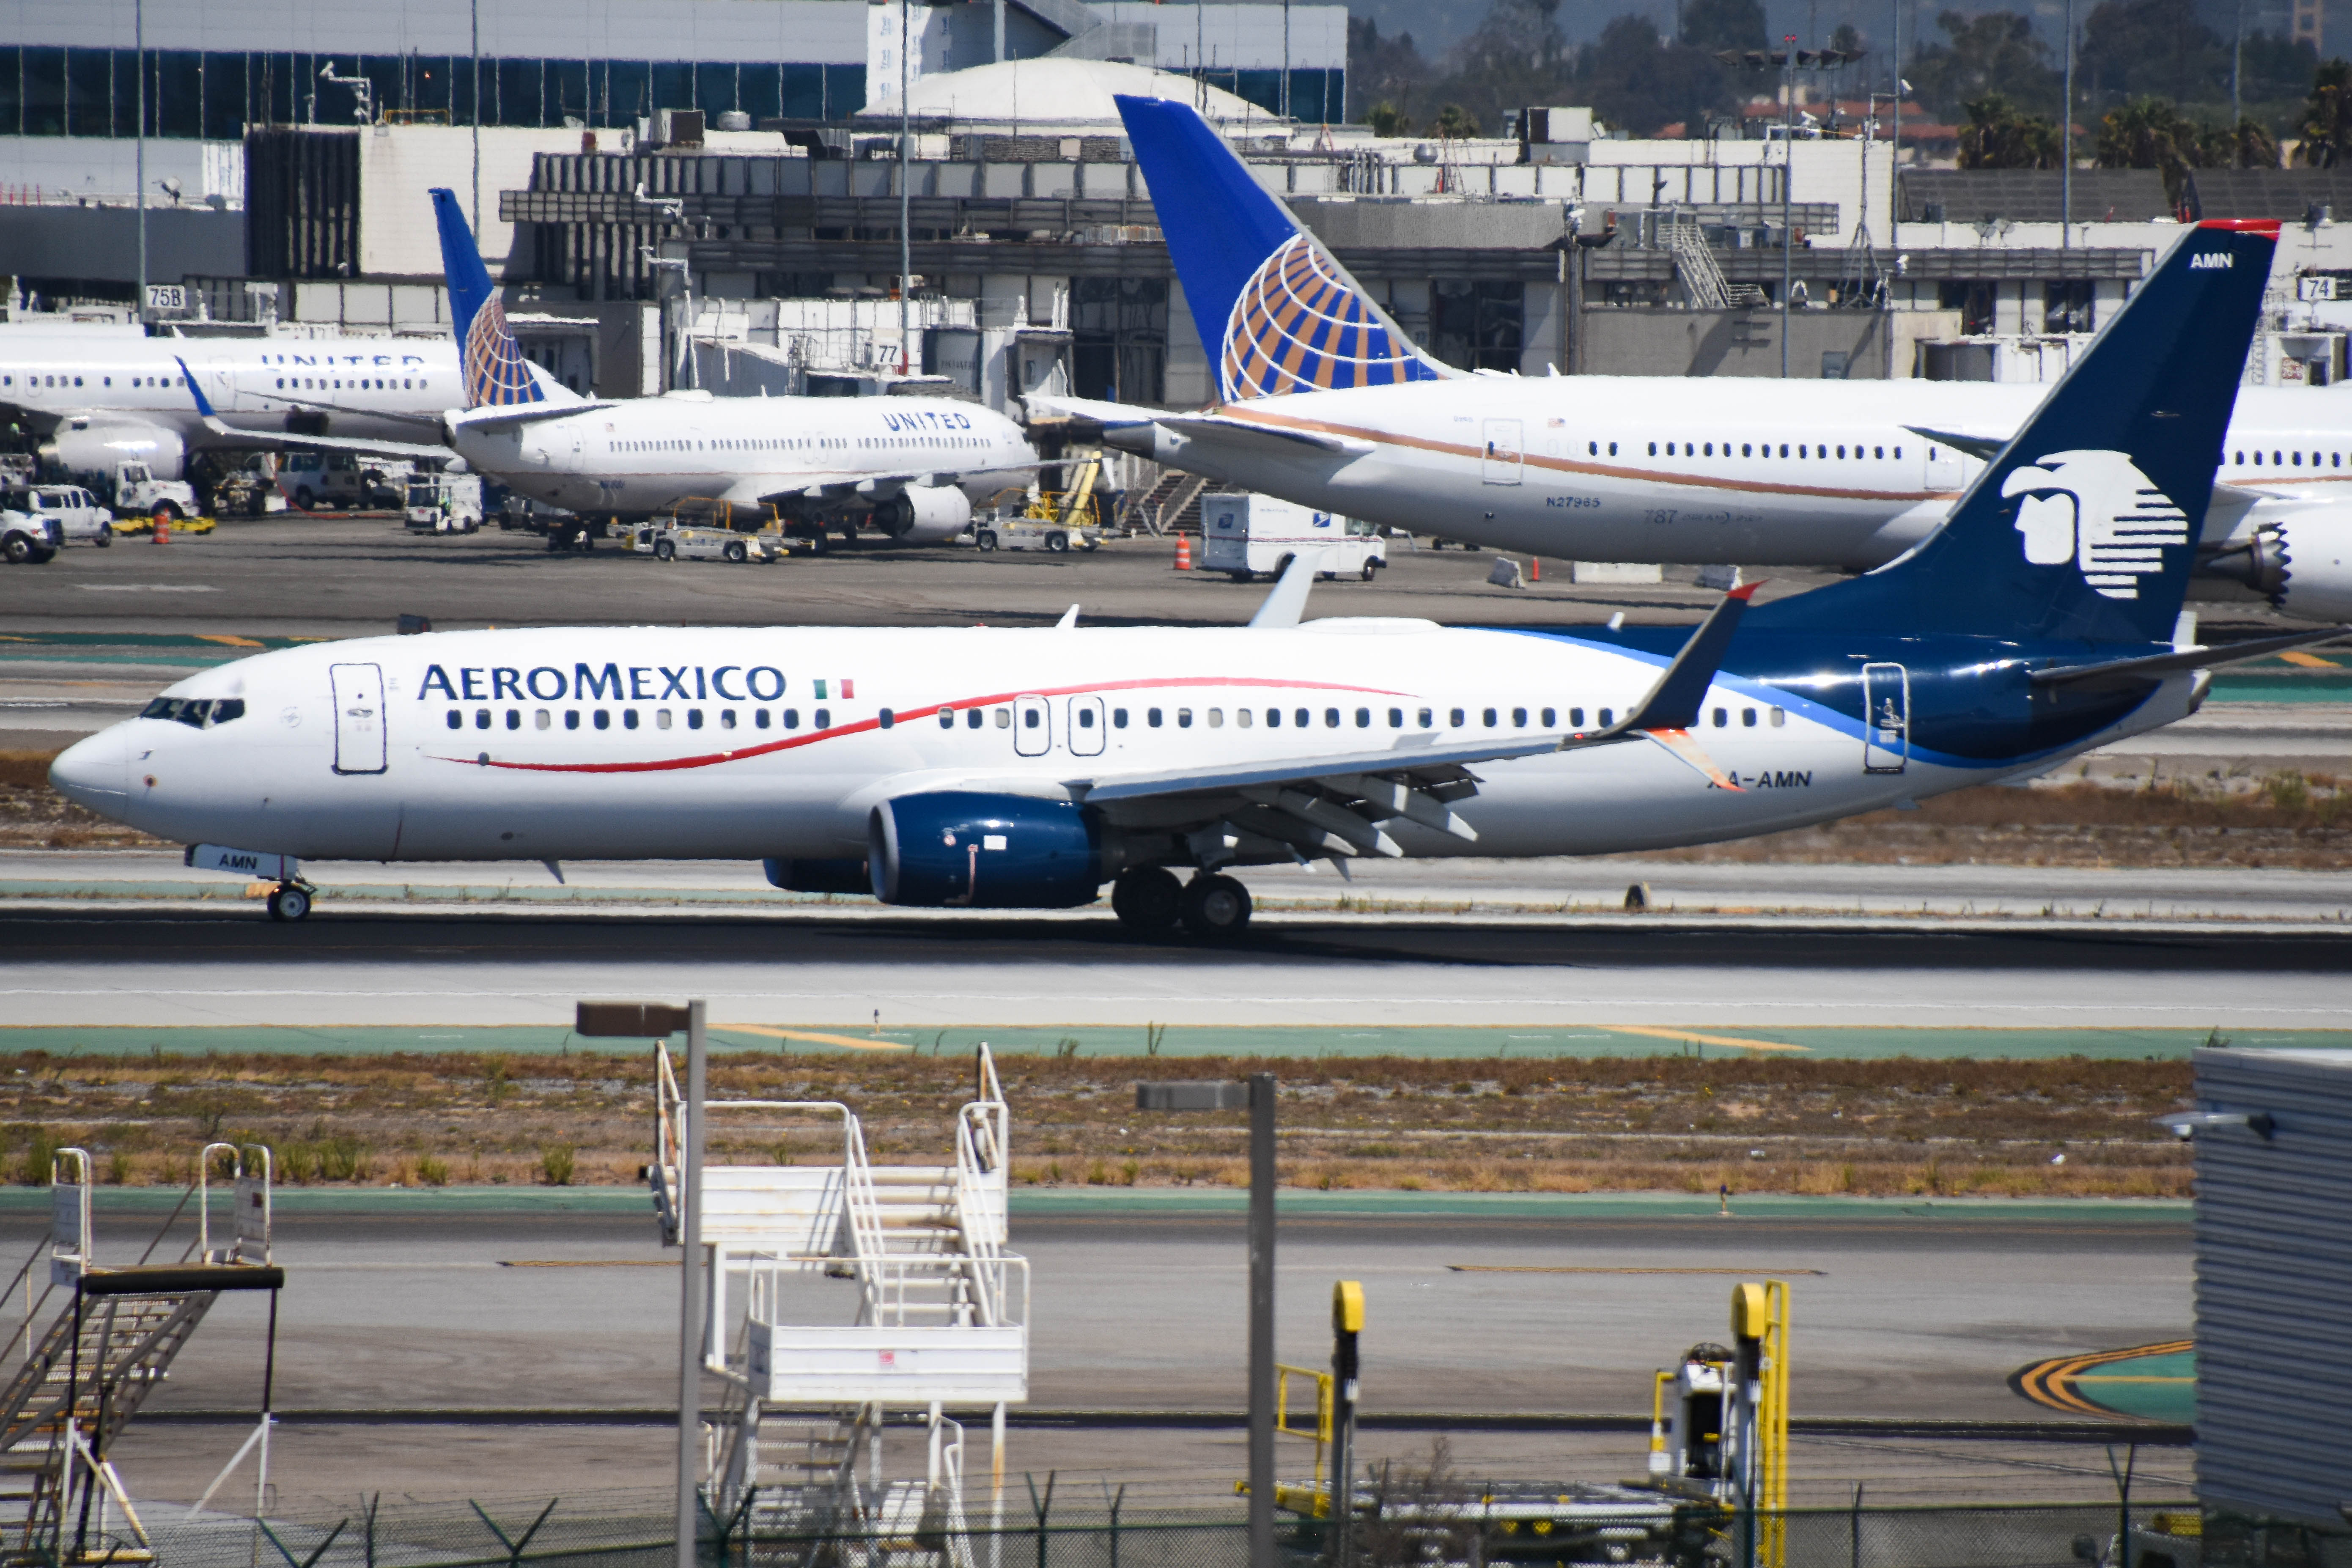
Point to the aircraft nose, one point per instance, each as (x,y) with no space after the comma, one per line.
(95,771)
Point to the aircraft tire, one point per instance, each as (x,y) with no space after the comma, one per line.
(1216,907)
(1148,899)
(289,904)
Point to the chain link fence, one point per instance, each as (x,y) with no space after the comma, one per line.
(634,1530)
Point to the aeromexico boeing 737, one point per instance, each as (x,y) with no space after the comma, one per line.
(1024,769)
(910,467)
(1323,400)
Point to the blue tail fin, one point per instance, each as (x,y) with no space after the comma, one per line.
(495,371)
(1276,312)
(2085,525)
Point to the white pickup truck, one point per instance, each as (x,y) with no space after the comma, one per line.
(79,517)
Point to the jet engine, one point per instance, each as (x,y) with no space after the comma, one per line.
(2304,562)
(923,516)
(96,446)
(985,851)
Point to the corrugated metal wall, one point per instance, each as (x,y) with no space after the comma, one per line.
(2274,1286)
(301,202)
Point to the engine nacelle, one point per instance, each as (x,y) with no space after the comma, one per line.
(924,516)
(95,447)
(845,876)
(985,851)
(2304,562)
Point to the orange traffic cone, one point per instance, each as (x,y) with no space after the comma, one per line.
(1535,570)
(162,528)
(1183,552)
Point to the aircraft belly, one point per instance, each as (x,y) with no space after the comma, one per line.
(746,812)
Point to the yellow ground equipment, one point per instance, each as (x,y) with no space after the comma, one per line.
(1072,508)
(1719,1423)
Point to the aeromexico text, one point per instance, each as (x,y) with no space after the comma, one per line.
(612,682)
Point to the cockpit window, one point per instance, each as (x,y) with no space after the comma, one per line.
(196,712)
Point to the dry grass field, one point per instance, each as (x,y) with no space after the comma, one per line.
(2067,1127)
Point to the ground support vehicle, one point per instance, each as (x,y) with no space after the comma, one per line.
(136,492)
(248,490)
(1031,533)
(138,526)
(444,503)
(315,481)
(79,516)
(1250,535)
(26,540)
(670,540)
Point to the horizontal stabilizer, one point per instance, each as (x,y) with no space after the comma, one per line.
(2121,671)
(1984,449)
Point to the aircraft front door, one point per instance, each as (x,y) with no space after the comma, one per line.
(576,454)
(1033,726)
(1885,718)
(1505,453)
(358,716)
(1085,733)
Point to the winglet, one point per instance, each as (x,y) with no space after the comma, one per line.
(1675,701)
(203,407)
(1287,600)
(1070,619)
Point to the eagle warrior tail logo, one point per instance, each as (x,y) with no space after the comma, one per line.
(2099,512)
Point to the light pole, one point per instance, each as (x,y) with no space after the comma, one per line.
(474,10)
(656,1020)
(1259,1095)
(906,198)
(1788,179)
(2066,137)
(139,175)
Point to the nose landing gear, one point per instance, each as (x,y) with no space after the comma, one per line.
(289,901)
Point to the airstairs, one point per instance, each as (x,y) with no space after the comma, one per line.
(78,1382)
(936,1313)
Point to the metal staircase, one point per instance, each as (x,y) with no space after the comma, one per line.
(939,1318)
(1702,275)
(1171,503)
(113,1340)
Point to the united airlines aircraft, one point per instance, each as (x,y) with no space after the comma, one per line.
(987,768)
(1323,400)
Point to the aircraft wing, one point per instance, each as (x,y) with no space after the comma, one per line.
(835,484)
(1110,415)
(510,417)
(1249,435)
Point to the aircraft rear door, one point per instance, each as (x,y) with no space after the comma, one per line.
(1033,726)
(1885,718)
(1506,452)
(358,716)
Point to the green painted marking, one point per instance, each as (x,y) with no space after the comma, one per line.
(2156,1387)
(1502,1041)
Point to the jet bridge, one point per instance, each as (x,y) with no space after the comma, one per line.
(936,1310)
(77,1383)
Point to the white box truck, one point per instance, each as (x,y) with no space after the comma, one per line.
(1250,535)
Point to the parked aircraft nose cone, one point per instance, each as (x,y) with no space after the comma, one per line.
(95,773)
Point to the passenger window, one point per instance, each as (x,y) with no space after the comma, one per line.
(1878,452)
(1004,718)
(1722,717)
(1576,718)
(1242,717)
(572,718)
(1654,449)
(603,720)
(1363,718)
(1151,717)
(1747,450)
(1118,718)
(727,718)
(1330,717)
(1302,718)
(541,719)
(1489,717)
(514,717)
(661,718)
(1183,717)
(1710,449)
(972,720)
(1608,717)
(1274,718)
(1779,718)
(628,717)
(1549,719)
(1396,718)
(1592,448)
(758,718)
(1427,718)
(886,717)
(1455,719)
(1841,451)
(1612,448)
(1086,718)
(1747,718)
(947,718)
(1216,718)
(456,720)
(824,719)
(481,718)
(1518,718)
(791,717)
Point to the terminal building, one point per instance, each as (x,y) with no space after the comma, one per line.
(709,192)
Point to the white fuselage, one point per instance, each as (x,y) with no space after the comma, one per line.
(1698,469)
(124,395)
(649,453)
(755,743)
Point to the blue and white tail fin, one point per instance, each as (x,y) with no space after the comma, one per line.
(1276,313)
(496,374)
(2085,525)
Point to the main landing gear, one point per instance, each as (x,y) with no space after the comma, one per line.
(1151,901)
(289,901)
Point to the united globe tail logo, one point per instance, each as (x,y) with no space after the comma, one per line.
(496,374)
(1299,326)
(2097,511)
